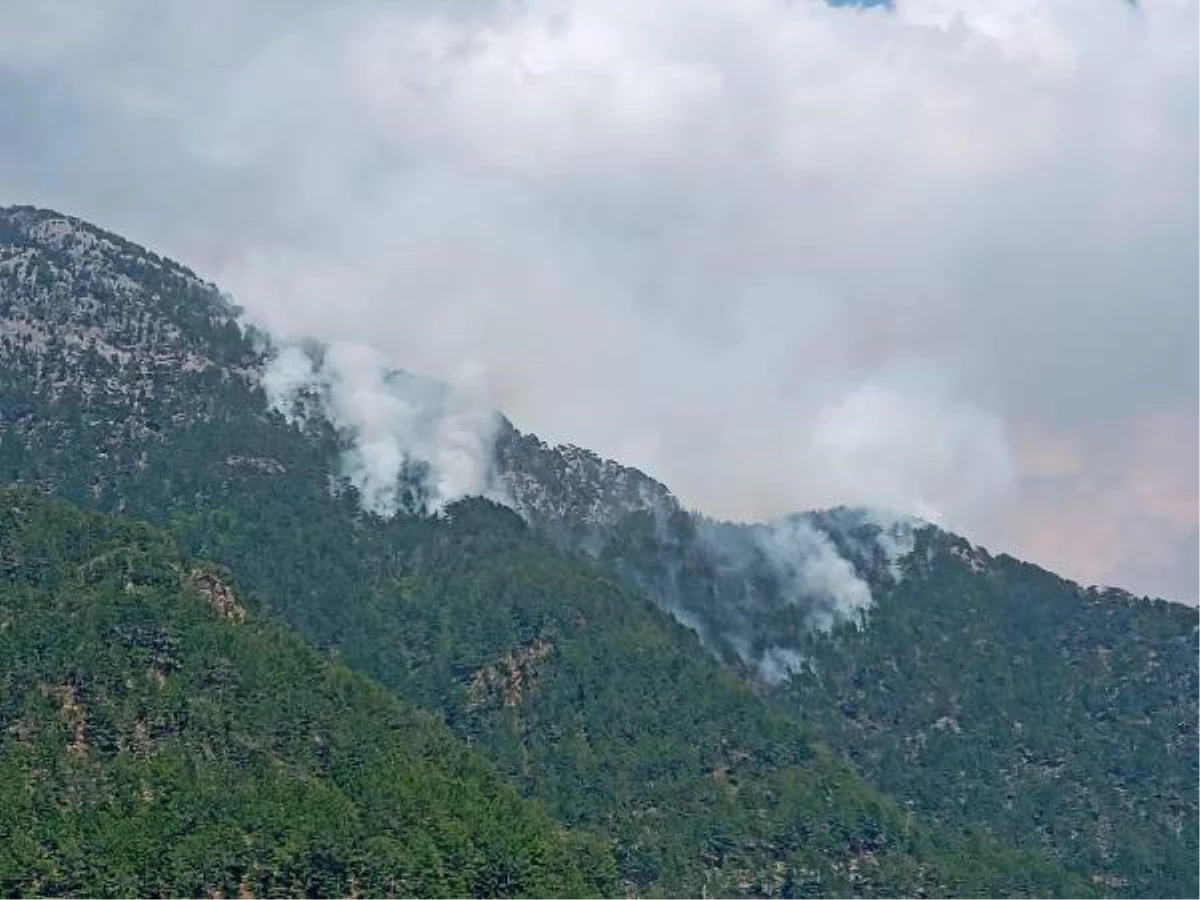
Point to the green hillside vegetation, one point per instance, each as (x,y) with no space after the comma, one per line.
(586,696)
(984,693)
(990,691)
(157,741)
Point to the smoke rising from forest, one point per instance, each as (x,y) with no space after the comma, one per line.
(939,258)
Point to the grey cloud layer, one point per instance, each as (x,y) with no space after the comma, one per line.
(780,255)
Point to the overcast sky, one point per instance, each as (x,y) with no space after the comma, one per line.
(941,259)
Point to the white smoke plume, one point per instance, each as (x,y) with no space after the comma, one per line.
(830,565)
(779,663)
(868,532)
(897,538)
(394,425)
(812,570)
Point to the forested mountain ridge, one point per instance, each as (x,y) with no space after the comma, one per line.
(981,690)
(106,348)
(582,694)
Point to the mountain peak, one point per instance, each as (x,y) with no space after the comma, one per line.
(83,242)
(72,284)
(565,486)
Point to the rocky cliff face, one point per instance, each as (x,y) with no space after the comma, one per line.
(571,490)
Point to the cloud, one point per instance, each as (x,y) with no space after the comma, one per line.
(778,254)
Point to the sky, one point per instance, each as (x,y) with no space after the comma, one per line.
(940,258)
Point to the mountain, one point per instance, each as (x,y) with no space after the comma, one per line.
(157,740)
(981,691)
(564,637)
(584,695)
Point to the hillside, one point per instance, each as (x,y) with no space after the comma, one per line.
(155,740)
(1081,703)
(987,690)
(580,687)
(982,691)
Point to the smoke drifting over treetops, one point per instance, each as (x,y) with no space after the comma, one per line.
(393,425)
(410,444)
(940,259)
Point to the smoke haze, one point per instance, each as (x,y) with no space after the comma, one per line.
(940,259)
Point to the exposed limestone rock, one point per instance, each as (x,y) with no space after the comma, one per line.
(218,595)
(509,677)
